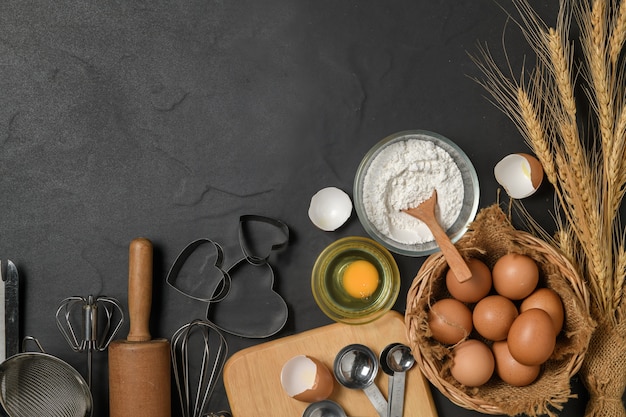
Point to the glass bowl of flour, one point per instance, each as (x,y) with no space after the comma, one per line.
(400,172)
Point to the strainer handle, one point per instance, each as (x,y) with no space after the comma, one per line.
(34,340)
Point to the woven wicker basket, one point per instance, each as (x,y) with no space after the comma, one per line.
(490,236)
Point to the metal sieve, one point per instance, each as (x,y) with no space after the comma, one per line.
(39,384)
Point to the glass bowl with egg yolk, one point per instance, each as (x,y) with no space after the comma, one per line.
(355,280)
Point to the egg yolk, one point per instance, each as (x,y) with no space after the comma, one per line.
(360,279)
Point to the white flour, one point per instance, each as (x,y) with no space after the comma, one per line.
(403,175)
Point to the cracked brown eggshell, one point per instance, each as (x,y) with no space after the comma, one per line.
(306,379)
(520,174)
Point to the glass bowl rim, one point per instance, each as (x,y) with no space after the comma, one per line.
(368,245)
(470,181)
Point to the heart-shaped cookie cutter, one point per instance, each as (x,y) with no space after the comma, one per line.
(265,311)
(222,290)
(249,242)
(218,286)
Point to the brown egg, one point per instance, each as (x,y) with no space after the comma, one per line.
(515,276)
(450,321)
(473,289)
(511,371)
(549,301)
(492,317)
(473,363)
(531,339)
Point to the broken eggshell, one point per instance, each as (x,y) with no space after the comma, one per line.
(520,174)
(330,208)
(306,379)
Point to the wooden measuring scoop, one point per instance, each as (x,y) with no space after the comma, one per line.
(426,213)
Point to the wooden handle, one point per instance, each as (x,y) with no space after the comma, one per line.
(454,259)
(139,289)
(139,367)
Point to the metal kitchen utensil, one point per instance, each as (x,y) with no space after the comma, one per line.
(390,373)
(199,352)
(399,359)
(356,367)
(201,259)
(9,310)
(252,286)
(325,408)
(39,384)
(96,330)
(198,272)
(9,313)
(260,236)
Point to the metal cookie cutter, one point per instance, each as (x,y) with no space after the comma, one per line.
(197,273)
(260,236)
(215,284)
(252,283)
(93,336)
(265,312)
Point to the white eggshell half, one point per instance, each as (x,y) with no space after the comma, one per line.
(330,208)
(306,379)
(519,174)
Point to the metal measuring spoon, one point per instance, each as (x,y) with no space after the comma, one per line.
(325,408)
(400,360)
(386,369)
(356,367)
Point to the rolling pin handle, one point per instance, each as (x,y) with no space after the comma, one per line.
(139,289)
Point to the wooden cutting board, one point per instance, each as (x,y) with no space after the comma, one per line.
(252,375)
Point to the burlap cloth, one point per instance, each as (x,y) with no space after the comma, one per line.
(491,236)
(604,370)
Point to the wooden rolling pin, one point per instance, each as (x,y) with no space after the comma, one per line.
(139,367)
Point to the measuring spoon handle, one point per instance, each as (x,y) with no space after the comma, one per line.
(377,399)
(396,405)
(390,394)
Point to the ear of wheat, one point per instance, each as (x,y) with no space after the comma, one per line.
(583,155)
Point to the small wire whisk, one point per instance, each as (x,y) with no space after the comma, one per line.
(97,330)
(199,352)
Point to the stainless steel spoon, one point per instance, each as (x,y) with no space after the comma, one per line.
(386,369)
(325,408)
(355,367)
(400,360)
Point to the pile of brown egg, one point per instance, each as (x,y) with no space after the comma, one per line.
(515,322)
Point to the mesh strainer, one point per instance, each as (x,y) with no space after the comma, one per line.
(39,384)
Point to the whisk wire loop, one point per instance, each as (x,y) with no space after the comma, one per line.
(96,330)
(214,349)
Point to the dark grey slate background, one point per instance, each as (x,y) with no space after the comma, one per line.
(170,119)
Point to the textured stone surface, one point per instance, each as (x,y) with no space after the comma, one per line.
(170,119)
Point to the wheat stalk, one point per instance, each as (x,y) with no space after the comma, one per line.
(618,33)
(585,160)
(620,275)
(618,157)
(594,45)
(543,105)
(535,133)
